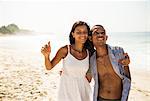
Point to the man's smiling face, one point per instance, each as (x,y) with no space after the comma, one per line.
(99,36)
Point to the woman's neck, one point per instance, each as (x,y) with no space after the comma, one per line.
(78,47)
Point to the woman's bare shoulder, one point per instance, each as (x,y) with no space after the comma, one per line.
(63,51)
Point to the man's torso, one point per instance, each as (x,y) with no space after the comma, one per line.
(110,82)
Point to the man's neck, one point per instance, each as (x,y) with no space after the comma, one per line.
(102,50)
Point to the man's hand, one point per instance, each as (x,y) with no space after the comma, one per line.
(125,61)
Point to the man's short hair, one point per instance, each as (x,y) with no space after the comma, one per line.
(94,28)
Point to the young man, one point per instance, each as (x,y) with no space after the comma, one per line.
(109,66)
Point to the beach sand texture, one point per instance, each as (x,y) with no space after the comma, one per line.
(23,77)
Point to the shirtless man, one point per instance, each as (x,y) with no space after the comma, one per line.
(110,70)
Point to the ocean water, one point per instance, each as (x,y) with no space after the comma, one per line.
(27,47)
(136,44)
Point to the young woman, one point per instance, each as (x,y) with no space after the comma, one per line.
(74,85)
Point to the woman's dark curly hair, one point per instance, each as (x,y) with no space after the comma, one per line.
(88,44)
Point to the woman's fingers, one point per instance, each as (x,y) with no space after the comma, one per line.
(49,47)
(49,43)
(46,49)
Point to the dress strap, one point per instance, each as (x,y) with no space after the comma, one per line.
(88,54)
(68,46)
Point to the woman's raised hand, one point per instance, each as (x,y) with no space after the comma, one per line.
(46,50)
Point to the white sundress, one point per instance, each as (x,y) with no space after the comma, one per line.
(73,84)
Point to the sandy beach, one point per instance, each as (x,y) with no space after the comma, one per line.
(21,80)
(23,77)
(31,85)
(140,88)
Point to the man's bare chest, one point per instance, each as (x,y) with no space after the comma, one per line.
(105,68)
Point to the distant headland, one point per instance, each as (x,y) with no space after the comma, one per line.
(11,29)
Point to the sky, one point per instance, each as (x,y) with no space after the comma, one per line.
(58,16)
